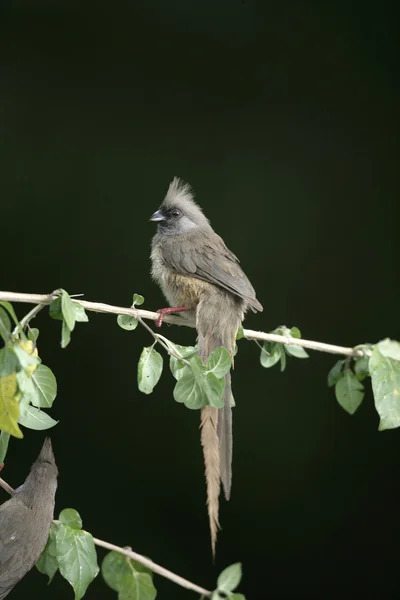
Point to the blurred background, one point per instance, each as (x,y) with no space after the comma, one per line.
(283,117)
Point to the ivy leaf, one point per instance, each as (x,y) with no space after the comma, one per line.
(188,392)
(65,335)
(361,367)
(46,386)
(27,355)
(5,325)
(77,559)
(33,418)
(237,597)
(29,394)
(385,378)
(296,351)
(9,308)
(55,310)
(219,362)
(71,517)
(4,439)
(240,333)
(33,334)
(270,354)
(389,349)
(137,586)
(282,357)
(127,322)
(177,366)
(335,373)
(349,391)
(9,405)
(137,300)
(68,309)
(116,566)
(48,563)
(8,361)
(230,578)
(210,385)
(295,332)
(80,313)
(150,367)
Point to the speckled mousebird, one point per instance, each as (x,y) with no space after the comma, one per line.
(201,278)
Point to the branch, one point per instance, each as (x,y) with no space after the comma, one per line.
(146,562)
(43,299)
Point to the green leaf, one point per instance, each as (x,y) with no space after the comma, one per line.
(270,354)
(71,517)
(137,300)
(295,332)
(68,309)
(237,597)
(9,405)
(48,563)
(137,586)
(25,354)
(178,367)
(8,361)
(55,310)
(77,559)
(189,393)
(9,308)
(349,391)
(29,393)
(296,351)
(5,325)
(80,313)
(33,334)
(150,367)
(385,378)
(116,566)
(46,386)
(210,385)
(4,440)
(361,368)
(65,335)
(240,333)
(33,418)
(335,373)
(389,349)
(283,358)
(219,362)
(127,322)
(230,578)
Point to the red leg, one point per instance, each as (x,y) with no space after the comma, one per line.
(168,311)
(1,467)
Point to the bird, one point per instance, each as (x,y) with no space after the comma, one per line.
(25,520)
(203,281)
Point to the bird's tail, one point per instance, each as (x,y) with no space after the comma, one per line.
(216,424)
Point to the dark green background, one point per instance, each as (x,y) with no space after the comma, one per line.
(283,116)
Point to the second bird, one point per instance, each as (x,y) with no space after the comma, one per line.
(201,278)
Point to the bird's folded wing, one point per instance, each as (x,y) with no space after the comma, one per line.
(206,257)
(14,523)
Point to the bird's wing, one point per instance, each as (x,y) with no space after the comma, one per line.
(206,257)
(14,521)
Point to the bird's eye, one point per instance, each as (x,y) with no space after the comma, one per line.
(175,212)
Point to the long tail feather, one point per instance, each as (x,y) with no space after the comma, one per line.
(225,438)
(210,443)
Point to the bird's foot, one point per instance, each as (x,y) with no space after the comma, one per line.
(168,311)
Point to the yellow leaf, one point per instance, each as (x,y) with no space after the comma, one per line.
(30,348)
(9,405)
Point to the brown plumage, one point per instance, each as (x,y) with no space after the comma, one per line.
(197,271)
(25,520)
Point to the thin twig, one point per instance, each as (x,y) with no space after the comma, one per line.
(153,316)
(146,562)
(154,567)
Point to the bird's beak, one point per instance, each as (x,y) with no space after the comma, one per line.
(157,216)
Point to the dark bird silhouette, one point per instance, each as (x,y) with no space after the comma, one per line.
(25,520)
(202,279)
